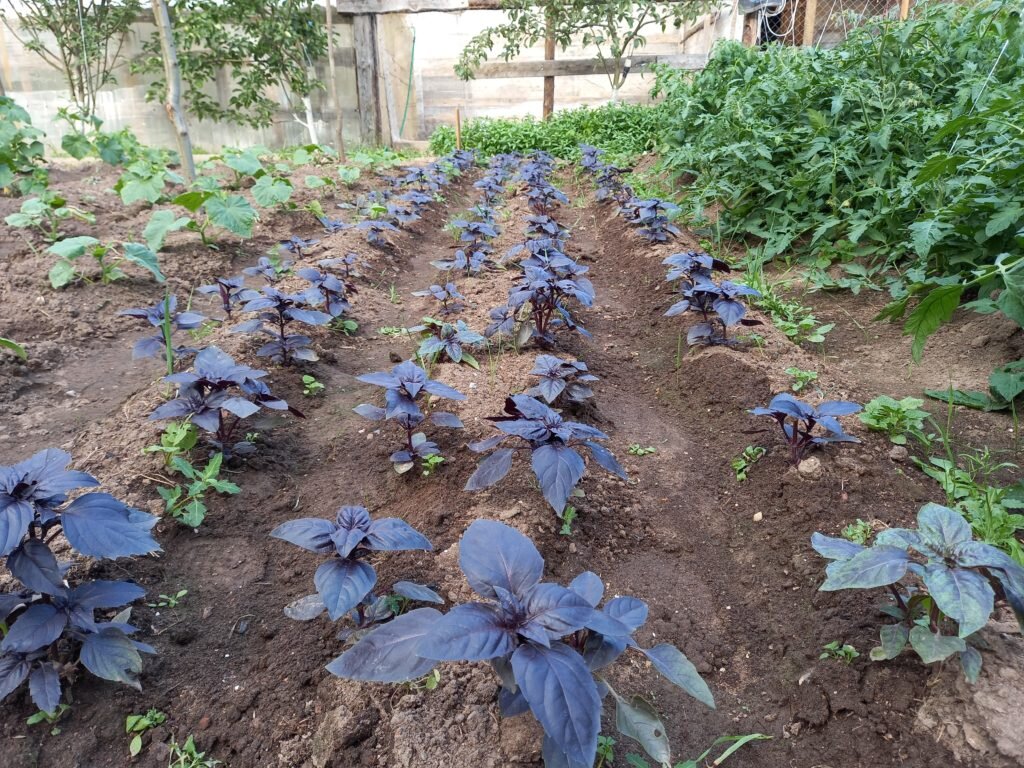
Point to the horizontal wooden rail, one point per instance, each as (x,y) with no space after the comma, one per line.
(571,67)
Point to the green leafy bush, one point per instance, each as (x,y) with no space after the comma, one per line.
(897,418)
(902,145)
(21,151)
(625,129)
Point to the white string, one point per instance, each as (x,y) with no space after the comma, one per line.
(984,87)
(774,11)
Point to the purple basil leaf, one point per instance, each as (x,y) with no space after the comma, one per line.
(417,592)
(239,406)
(562,696)
(512,704)
(15,517)
(678,669)
(305,608)
(98,525)
(34,629)
(628,611)
(558,469)
(834,548)
(605,459)
(13,670)
(493,554)
(482,446)
(106,594)
(310,533)
(44,687)
(389,654)
(390,534)
(110,654)
(589,586)
(837,408)
(468,632)
(442,419)
(342,583)
(556,610)
(371,412)
(35,566)
(491,469)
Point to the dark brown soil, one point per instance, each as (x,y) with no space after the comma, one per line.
(737,595)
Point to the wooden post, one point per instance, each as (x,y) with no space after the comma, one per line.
(810,18)
(172,75)
(332,84)
(904,10)
(364,27)
(458,128)
(549,55)
(750,29)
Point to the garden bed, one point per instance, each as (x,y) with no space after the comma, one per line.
(737,595)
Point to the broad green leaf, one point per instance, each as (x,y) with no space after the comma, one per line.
(134,188)
(962,594)
(72,247)
(876,566)
(139,254)
(61,273)
(245,163)
(160,223)
(639,721)
(268,191)
(925,234)
(206,184)
(970,661)
(193,200)
(231,212)
(315,182)
(1003,219)
(111,150)
(931,647)
(894,310)
(18,220)
(76,145)
(939,165)
(1011,299)
(14,347)
(894,640)
(1008,381)
(967,398)
(193,513)
(936,308)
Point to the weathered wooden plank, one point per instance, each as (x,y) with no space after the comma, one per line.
(574,67)
(367,88)
(414,6)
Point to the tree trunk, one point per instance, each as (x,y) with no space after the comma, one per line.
(332,84)
(172,101)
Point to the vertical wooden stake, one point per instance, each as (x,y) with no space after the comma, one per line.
(904,10)
(549,55)
(810,18)
(332,84)
(364,28)
(172,75)
(458,128)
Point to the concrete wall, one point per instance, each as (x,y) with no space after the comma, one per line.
(425,95)
(41,89)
